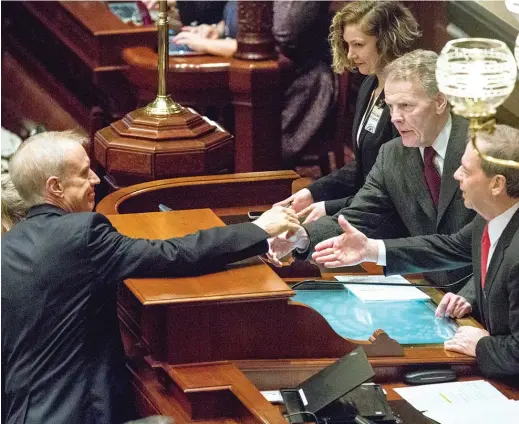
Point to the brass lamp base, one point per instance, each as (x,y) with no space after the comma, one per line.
(163,106)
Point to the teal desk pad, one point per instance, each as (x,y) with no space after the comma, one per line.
(407,322)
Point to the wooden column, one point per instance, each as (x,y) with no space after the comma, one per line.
(255,40)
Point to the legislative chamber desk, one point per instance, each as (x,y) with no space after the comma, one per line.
(200,347)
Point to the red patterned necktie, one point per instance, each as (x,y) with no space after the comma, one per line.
(432,176)
(485,247)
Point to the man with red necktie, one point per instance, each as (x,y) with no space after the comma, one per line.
(490,242)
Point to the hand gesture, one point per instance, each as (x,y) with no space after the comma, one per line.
(454,306)
(313,212)
(279,247)
(298,201)
(465,340)
(348,249)
(278,220)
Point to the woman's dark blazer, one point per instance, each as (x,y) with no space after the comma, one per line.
(340,186)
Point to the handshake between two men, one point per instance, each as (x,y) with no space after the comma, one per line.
(348,249)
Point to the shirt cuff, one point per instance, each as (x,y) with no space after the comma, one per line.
(301,240)
(381,253)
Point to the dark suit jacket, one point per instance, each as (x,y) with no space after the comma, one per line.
(61,350)
(497,303)
(338,188)
(395,200)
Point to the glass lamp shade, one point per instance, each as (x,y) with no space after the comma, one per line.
(513,6)
(476,74)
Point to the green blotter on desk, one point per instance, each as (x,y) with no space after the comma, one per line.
(408,322)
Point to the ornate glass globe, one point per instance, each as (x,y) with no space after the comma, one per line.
(476,74)
(513,6)
(516,50)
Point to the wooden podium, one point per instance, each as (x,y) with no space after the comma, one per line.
(201,347)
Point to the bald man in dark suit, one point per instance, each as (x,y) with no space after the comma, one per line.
(62,355)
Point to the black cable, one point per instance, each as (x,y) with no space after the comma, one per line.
(336,282)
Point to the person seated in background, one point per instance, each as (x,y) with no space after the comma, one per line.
(490,242)
(365,36)
(217,39)
(62,355)
(309,88)
(14,208)
(410,189)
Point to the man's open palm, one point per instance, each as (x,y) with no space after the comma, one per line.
(347,249)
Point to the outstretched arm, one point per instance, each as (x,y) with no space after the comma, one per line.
(350,248)
(402,256)
(115,257)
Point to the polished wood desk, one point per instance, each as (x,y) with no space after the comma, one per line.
(228,195)
(201,347)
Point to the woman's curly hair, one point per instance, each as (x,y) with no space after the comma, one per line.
(14,208)
(393,25)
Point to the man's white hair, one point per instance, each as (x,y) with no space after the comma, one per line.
(419,65)
(39,158)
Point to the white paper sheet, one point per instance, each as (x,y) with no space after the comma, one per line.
(371,293)
(488,412)
(458,394)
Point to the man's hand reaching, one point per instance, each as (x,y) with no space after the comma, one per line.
(297,201)
(278,220)
(313,212)
(350,248)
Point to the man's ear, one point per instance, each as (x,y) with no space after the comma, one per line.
(53,187)
(441,103)
(498,185)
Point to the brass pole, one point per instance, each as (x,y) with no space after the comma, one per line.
(163,105)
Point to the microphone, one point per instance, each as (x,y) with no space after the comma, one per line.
(336,282)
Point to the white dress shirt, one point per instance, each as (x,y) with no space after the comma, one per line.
(440,146)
